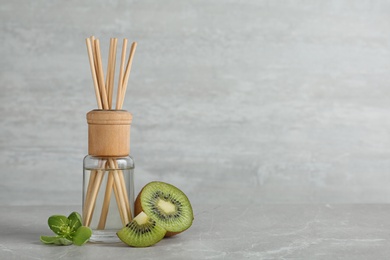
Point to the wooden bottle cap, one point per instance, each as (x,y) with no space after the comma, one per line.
(109,133)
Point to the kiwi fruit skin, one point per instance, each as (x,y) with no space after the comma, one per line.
(171,234)
(137,204)
(139,208)
(134,239)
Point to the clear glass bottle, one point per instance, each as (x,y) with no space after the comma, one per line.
(108,175)
(108,195)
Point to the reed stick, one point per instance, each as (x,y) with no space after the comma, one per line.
(93,72)
(124,189)
(121,214)
(108,75)
(92,38)
(112,71)
(101,75)
(117,181)
(121,72)
(92,202)
(88,194)
(106,202)
(127,73)
(91,183)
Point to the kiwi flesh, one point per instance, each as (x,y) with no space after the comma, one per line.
(167,205)
(142,231)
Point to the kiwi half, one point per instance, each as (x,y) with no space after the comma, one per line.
(167,205)
(142,231)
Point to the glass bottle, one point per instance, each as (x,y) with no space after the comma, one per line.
(108,174)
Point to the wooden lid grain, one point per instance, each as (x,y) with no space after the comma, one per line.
(109,132)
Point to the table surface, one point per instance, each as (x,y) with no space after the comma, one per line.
(270,231)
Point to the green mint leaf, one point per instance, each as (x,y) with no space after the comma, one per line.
(61,241)
(47,240)
(82,235)
(74,221)
(59,224)
(68,229)
(56,240)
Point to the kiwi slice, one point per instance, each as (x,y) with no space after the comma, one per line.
(167,205)
(142,231)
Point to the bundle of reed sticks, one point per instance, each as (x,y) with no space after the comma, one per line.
(104,89)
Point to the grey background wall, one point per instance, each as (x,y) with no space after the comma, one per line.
(241,102)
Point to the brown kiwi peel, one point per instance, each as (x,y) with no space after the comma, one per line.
(137,204)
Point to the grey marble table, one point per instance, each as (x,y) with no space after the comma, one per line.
(271,231)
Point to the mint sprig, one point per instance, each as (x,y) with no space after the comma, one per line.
(69,230)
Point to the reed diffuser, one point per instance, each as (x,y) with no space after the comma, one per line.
(108,185)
